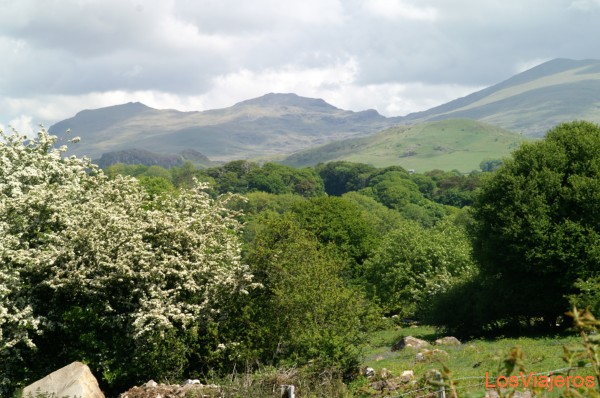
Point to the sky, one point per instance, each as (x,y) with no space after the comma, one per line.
(59,57)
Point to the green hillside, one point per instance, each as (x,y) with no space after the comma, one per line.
(531,102)
(448,144)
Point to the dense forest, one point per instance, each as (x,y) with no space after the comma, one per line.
(146,273)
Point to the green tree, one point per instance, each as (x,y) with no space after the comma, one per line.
(280,179)
(413,264)
(341,177)
(307,312)
(536,226)
(340,223)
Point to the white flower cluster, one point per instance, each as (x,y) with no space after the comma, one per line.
(67,228)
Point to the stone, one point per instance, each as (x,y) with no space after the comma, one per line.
(151,384)
(407,376)
(74,380)
(415,343)
(428,355)
(448,340)
(378,385)
(191,381)
(385,373)
(369,372)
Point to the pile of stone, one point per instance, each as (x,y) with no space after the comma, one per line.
(154,390)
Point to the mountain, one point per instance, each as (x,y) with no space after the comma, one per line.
(459,144)
(530,102)
(277,125)
(268,125)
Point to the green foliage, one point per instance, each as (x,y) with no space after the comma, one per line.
(309,313)
(279,179)
(340,223)
(395,188)
(413,265)
(241,176)
(490,165)
(381,218)
(587,294)
(455,189)
(342,177)
(537,223)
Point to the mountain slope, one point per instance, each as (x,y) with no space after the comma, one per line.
(449,144)
(531,102)
(271,124)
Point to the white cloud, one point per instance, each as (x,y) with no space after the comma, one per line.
(585,5)
(394,9)
(522,66)
(23,124)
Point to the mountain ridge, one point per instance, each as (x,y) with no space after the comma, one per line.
(529,103)
(554,91)
(267,125)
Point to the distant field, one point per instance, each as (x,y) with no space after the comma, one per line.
(459,144)
(470,361)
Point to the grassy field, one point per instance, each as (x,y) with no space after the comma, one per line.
(468,362)
(459,144)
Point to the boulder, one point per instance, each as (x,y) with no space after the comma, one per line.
(74,380)
(415,343)
(448,340)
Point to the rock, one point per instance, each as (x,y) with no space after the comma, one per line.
(428,355)
(391,386)
(369,372)
(73,380)
(448,340)
(378,385)
(384,373)
(413,342)
(407,376)
(191,381)
(151,384)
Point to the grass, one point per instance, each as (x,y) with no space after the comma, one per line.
(470,361)
(459,144)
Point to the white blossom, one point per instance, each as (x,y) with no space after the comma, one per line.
(177,258)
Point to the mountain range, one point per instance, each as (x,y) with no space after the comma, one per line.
(273,124)
(278,125)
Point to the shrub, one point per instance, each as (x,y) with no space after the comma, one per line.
(91,269)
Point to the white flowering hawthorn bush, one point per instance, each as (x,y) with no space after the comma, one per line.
(92,269)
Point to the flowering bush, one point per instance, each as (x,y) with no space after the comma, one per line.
(93,269)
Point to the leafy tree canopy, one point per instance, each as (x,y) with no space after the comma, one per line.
(537,221)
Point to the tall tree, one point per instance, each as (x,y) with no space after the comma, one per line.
(537,222)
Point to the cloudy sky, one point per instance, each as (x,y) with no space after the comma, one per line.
(396,56)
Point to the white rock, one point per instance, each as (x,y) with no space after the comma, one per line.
(74,380)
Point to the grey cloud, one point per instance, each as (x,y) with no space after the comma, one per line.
(182,46)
